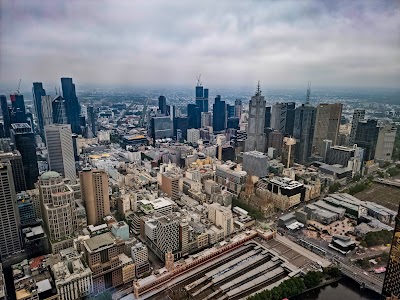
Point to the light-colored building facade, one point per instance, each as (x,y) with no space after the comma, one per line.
(60,150)
(47,110)
(255,131)
(221,216)
(58,210)
(193,135)
(385,143)
(95,194)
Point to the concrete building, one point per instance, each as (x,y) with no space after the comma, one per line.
(170,184)
(326,125)
(255,131)
(340,155)
(10,237)
(106,258)
(140,258)
(58,210)
(3,292)
(206,119)
(193,135)
(17,168)
(120,230)
(73,279)
(255,163)
(283,191)
(358,115)
(275,140)
(95,194)
(222,217)
(60,150)
(159,205)
(161,127)
(385,143)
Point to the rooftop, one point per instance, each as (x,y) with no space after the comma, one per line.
(50,174)
(97,242)
(285,182)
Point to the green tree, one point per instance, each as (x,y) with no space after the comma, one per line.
(312,279)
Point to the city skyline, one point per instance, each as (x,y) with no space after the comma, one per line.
(228,43)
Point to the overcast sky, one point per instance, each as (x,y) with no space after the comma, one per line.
(233,42)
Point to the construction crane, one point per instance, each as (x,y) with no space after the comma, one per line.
(19,85)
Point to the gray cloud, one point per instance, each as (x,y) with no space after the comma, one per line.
(282,43)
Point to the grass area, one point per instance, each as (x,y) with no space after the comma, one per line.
(253,212)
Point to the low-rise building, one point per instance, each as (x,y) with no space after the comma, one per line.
(140,258)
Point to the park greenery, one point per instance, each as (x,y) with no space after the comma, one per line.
(394,171)
(377,238)
(253,212)
(333,188)
(297,285)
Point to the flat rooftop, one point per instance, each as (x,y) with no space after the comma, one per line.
(285,182)
(99,241)
(157,203)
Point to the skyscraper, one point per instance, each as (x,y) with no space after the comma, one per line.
(194,116)
(161,127)
(10,238)
(59,111)
(47,110)
(238,108)
(326,125)
(18,112)
(24,141)
(219,114)
(367,137)
(17,168)
(58,210)
(391,286)
(6,115)
(304,125)
(73,109)
(282,117)
(206,119)
(255,133)
(358,115)
(92,116)
(60,150)
(267,117)
(94,188)
(201,98)
(38,92)
(162,105)
(180,125)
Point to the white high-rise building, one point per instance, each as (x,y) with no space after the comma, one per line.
(61,152)
(221,216)
(206,119)
(385,143)
(193,135)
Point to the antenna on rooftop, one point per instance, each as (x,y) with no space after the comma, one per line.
(198,80)
(258,93)
(308,93)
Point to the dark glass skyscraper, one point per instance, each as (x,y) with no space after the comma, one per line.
(202,98)
(162,104)
(18,113)
(194,116)
(38,92)
(391,284)
(6,115)
(219,114)
(181,123)
(59,111)
(72,107)
(366,137)
(24,141)
(304,126)
(267,117)
(92,115)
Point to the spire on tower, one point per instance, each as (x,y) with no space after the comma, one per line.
(308,93)
(258,93)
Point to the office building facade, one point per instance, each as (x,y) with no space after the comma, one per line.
(202,98)
(385,142)
(10,236)
(255,133)
(304,126)
(17,167)
(367,137)
(194,116)
(59,111)
(47,110)
(38,92)
(282,117)
(326,125)
(95,195)
(219,114)
(162,105)
(6,115)
(358,115)
(73,109)
(391,286)
(24,141)
(60,150)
